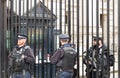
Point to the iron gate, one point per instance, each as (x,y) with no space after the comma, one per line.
(44,20)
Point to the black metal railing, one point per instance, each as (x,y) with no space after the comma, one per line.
(44,20)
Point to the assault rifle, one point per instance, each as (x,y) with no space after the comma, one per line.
(88,58)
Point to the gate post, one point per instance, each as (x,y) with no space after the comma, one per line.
(2,40)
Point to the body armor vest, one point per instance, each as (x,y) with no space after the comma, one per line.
(68,59)
(18,62)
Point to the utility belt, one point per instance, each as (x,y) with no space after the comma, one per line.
(19,69)
(59,69)
(20,72)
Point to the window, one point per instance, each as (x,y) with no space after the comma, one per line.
(66,18)
(101,20)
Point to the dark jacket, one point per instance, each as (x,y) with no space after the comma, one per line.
(99,58)
(94,54)
(16,54)
(64,57)
(56,57)
(58,54)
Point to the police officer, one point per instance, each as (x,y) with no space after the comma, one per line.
(20,58)
(96,60)
(64,62)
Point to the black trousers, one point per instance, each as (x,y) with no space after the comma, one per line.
(91,74)
(75,73)
(98,74)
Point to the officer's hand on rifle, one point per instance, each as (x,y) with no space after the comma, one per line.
(23,57)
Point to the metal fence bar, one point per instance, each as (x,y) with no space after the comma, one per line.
(11,24)
(108,30)
(83,67)
(1,38)
(78,37)
(19,16)
(87,30)
(27,16)
(51,42)
(113,37)
(97,33)
(2,71)
(35,27)
(43,40)
(102,31)
(70,19)
(60,12)
(73,29)
(38,52)
(118,39)
(65,26)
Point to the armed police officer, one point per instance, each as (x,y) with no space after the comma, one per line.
(64,58)
(20,58)
(98,60)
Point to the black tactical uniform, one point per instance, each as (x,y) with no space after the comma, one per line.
(97,62)
(20,59)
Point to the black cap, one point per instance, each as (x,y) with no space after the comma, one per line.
(95,38)
(22,36)
(64,36)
